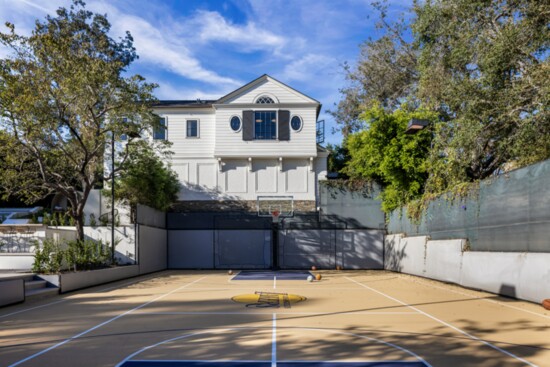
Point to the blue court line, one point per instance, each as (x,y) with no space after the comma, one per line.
(154,363)
(269,275)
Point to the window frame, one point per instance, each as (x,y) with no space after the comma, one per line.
(240,123)
(276,111)
(187,136)
(164,130)
(301,123)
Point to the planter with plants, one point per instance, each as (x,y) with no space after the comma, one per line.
(78,264)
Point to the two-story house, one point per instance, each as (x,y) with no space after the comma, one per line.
(257,142)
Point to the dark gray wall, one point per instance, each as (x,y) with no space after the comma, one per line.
(11,291)
(329,248)
(508,213)
(152,240)
(359,209)
(191,249)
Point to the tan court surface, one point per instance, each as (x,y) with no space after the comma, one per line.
(348,316)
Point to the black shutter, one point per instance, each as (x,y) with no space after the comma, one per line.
(284,125)
(248,125)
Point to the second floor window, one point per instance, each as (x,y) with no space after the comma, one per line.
(192,128)
(265,125)
(159,131)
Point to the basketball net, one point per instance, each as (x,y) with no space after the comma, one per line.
(275,215)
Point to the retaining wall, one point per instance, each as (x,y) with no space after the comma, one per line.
(11,291)
(521,275)
(82,279)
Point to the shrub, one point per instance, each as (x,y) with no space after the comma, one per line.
(48,258)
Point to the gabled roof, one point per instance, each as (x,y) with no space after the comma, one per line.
(257,81)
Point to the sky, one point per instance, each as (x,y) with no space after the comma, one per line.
(206,49)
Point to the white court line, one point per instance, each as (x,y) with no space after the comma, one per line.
(274,282)
(102,324)
(329,331)
(75,297)
(280,313)
(274,342)
(477,297)
(445,323)
(34,308)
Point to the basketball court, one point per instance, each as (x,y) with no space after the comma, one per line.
(348,318)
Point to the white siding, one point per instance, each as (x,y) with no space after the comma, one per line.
(231,144)
(281,94)
(176,122)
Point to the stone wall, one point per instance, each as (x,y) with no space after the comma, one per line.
(302,206)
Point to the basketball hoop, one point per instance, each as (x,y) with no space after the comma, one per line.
(275,215)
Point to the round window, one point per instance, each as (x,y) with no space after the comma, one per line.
(296,123)
(235,123)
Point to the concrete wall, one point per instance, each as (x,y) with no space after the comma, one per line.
(68,282)
(16,261)
(126,237)
(521,275)
(152,251)
(11,291)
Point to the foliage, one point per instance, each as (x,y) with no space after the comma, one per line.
(147,180)
(63,97)
(385,73)
(385,154)
(93,221)
(87,255)
(337,157)
(365,187)
(485,63)
(482,67)
(53,257)
(48,258)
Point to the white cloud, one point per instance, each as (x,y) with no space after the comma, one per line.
(211,26)
(160,48)
(169,91)
(308,67)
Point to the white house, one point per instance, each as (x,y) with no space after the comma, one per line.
(259,140)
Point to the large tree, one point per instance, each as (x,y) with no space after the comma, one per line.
(383,153)
(485,64)
(385,74)
(64,94)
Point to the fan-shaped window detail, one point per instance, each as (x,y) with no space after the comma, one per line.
(264,100)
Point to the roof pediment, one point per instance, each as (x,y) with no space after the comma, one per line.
(265,86)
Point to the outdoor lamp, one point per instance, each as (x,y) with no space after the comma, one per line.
(416,125)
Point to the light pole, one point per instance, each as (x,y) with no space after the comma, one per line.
(113,198)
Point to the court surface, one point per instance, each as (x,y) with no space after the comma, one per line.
(349,318)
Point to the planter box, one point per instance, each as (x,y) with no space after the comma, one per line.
(12,291)
(83,279)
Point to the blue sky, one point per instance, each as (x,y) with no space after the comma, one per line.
(205,49)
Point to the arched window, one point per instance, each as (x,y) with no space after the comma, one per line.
(264,100)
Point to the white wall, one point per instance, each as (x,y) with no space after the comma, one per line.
(231,144)
(203,180)
(176,123)
(521,275)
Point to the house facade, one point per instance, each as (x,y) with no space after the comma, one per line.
(258,141)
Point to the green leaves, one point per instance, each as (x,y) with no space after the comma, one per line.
(385,154)
(63,94)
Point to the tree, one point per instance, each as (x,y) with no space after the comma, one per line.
(385,74)
(385,154)
(147,180)
(337,158)
(485,63)
(63,97)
